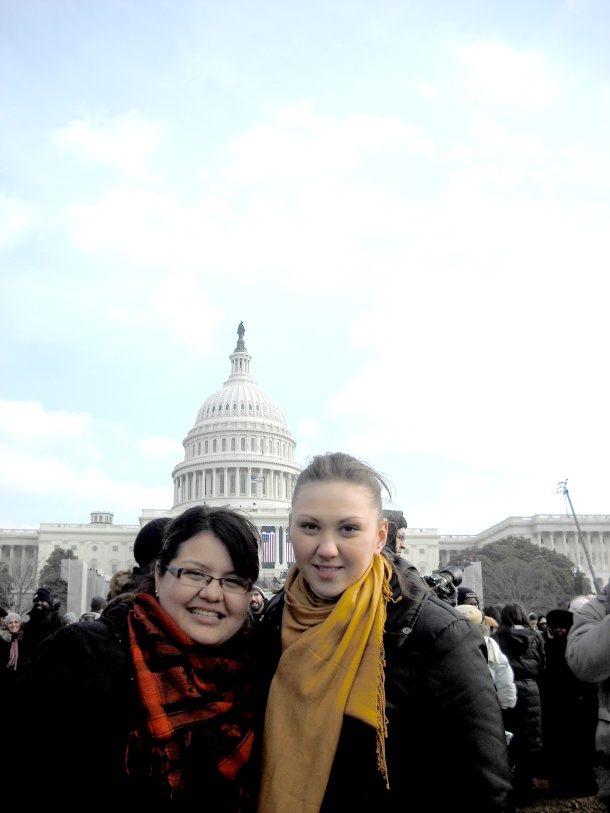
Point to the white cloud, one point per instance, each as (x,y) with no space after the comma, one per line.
(264,240)
(426,90)
(62,477)
(298,143)
(17,219)
(65,458)
(27,421)
(181,305)
(125,142)
(309,428)
(502,76)
(489,133)
(160,447)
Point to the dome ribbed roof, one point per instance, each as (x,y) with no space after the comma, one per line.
(239,400)
(239,397)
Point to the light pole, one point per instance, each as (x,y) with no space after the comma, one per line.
(562,488)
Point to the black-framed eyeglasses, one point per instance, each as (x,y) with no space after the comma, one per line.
(197,578)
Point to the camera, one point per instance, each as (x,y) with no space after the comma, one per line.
(445,582)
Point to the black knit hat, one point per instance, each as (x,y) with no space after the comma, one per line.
(149,541)
(43,595)
(466,592)
(560,618)
(97,604)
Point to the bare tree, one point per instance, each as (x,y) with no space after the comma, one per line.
(23,583)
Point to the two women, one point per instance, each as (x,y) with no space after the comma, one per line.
(152,702)
(379,691)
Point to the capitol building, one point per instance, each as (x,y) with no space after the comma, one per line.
(241,454)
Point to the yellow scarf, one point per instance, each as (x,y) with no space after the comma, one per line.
(332,665)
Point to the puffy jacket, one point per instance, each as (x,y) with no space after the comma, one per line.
(78,702)
(502,674)
(524,648)
(446,738)
(588,656)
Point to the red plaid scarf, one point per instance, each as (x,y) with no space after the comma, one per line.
(197,701)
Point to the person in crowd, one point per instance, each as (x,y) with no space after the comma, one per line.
(11,661)
(44,619)
(533,620)
(524,649)
(258,602)
(588,656)
(148,543)
(68,618)
(500,668)
(97,605)
(120,582)
(397,531)
(579,601)
(161,682)
(542,623)
(146,547)
(491,611)
(10,639)
(466,595)
(362,658)
(569,716)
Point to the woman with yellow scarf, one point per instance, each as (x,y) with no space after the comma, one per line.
(379,692)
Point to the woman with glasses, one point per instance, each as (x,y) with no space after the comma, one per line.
(152,701)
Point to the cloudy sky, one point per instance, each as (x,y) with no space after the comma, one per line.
(405,202)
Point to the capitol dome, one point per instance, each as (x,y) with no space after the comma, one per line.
(240,454)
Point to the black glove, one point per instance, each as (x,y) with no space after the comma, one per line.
(447,593)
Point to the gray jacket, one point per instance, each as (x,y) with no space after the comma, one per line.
(588,656)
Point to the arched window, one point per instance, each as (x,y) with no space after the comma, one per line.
(232,444)
(243,444)
(206,447)
(224,444)
(214,445)
(252,445)
(262,446)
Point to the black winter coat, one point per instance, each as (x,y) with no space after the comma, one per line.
(446,742)
(524,648)
(79,703)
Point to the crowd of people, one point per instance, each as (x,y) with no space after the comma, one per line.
(354,685)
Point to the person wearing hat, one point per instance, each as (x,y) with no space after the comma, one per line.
(97,605)
(44,619)
(258,602)
(524,648)
(569,715)
(466,595)
(397,531)
(148,543)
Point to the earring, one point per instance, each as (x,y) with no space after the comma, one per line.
(156,592)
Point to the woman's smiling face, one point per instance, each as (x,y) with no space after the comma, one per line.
(206,614)
(335,530)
